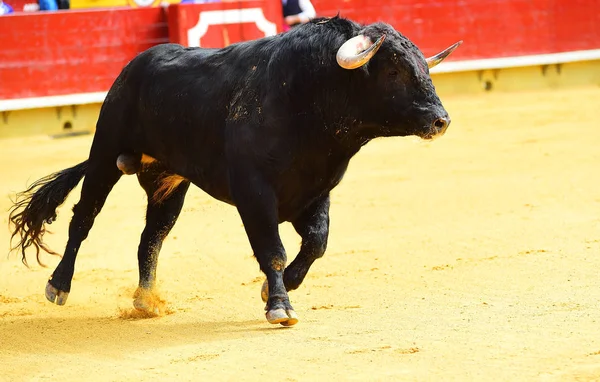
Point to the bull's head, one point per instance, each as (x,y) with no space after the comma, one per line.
(398,93)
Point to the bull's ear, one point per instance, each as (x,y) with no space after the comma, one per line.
(434,60)
(357,51)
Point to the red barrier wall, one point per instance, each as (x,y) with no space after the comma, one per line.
(67,52)
(71,52)
(19,5)
(217,25)
(489,28)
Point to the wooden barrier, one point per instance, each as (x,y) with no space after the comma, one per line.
(489,28)
(217,25)
(73,52)
(72,57)
(22,5)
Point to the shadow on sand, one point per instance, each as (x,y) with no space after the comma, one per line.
(26,335)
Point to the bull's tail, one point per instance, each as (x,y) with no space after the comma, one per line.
(36,207)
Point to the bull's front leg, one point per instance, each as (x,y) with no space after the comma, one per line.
(313,226)
(257,205)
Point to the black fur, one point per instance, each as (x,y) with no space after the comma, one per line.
(268,126)
(36,207)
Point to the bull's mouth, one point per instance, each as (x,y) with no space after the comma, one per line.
(430,136)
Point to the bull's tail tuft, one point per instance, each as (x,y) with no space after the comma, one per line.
(36,207)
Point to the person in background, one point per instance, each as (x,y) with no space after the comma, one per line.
(63,4)
(5,9)
(48,5)
(296,12)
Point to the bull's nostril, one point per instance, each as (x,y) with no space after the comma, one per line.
(440,123)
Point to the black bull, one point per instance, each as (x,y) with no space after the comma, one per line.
(268,126)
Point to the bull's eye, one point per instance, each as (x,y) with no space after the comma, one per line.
(393,73)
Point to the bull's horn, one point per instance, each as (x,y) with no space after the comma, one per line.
(357,51)
(433,61)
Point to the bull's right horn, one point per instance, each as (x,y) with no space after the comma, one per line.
(433,61)
(357,51)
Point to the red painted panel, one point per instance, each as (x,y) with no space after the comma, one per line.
(19,5)
(489,28)
(182,17)
(66,52)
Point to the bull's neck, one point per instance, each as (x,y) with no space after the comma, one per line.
(352,134)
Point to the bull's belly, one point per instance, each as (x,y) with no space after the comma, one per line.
(211,179)
(215,184)
(220,193)
(289,206)
(294,194)
(288,209)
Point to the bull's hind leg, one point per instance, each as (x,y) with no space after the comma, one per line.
(313,227)
(97,184)
(161,216)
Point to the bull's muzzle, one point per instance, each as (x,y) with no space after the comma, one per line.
(438,128)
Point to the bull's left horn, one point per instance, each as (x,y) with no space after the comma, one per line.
(433,61)
(357,51)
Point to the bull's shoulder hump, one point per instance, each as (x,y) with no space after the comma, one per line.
(174,52)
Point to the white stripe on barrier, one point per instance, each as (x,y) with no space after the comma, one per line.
(512,62)
(444,67)
(52,101)
(229,16)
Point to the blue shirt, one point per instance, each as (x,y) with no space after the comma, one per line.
(48,5)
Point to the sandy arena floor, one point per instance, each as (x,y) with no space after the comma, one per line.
(474,257)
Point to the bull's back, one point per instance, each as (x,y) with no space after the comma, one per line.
(168,104)
(179,96)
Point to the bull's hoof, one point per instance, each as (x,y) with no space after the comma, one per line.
(56,296)
(148,301)
(143,306)
(264,291)
(285,317)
